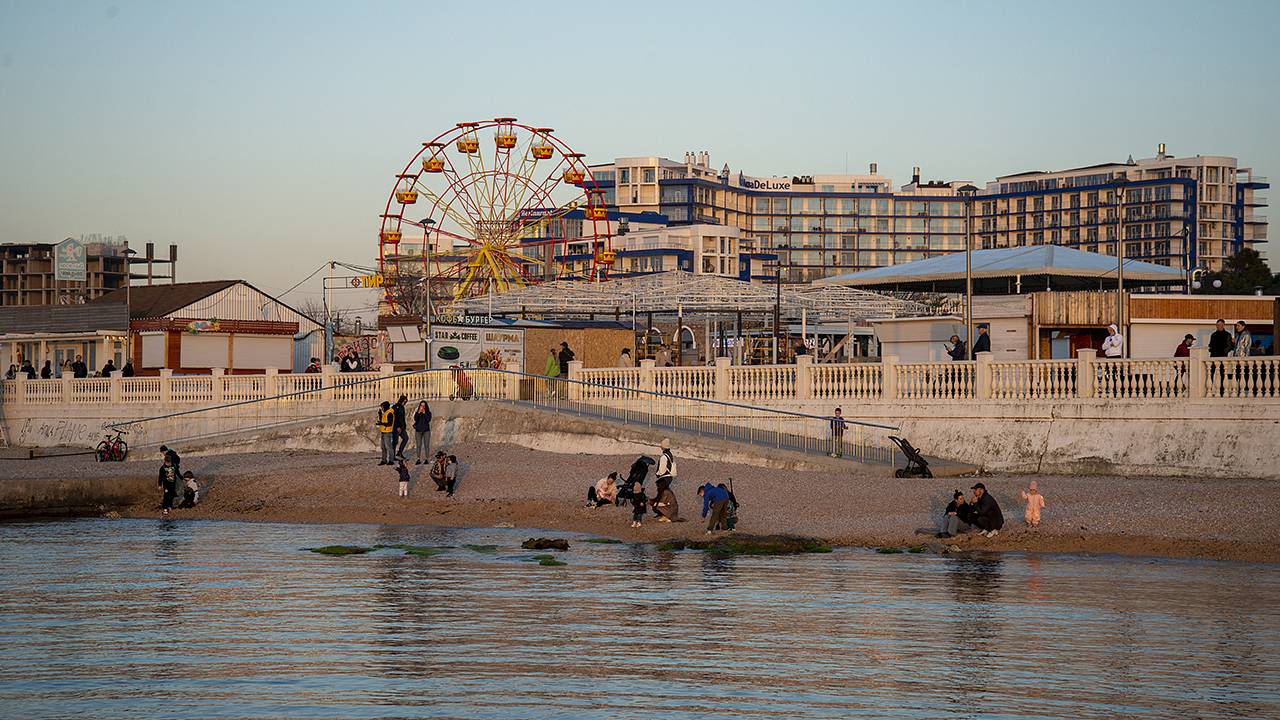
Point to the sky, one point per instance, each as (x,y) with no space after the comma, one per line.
(263,137)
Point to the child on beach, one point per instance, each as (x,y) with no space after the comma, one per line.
(638,501)
(1035,503)
(403,473)
(190,490)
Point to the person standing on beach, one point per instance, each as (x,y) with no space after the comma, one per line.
(986,512)
(386,433)
(666,463)
(715,501)
(402,472)
(400,425)
(1035,503)
(422,433)
(838,426)
(171,455)
(168,484)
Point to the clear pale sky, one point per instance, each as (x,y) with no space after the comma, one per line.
(262,137)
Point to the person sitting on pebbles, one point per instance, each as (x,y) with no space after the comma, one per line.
(604,492)
(665,506)
(986,512)
(955,519)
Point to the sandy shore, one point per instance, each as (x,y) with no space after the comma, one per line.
(506,484)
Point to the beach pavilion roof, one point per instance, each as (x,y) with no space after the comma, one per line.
(672,292)
(1037,267)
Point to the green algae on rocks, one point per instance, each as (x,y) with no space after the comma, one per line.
(751,545)
(340,550)
(889,550)
(551,562)
(486,549)
(417,550)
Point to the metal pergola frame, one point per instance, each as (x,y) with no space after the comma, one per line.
(681,293)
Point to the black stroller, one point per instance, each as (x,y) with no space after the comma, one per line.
(917,466)
(638,473)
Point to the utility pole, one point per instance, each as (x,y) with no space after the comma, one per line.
(1120,184)
(967,192)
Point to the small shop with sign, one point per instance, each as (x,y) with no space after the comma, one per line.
(480,341)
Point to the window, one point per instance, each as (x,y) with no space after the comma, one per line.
(624,175)
(648,175)
(762,205)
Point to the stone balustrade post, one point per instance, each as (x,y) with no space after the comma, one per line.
(166,386)
(215,379)
(67,391)
(982,375)
(271,383)
(804,377)
(575,373)
(1084,372)
(646,375)
(20,389)
(1197,370)
(113,389)
(327,375)
(722,377)
(889,383)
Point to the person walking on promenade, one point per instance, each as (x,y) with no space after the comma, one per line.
(46,372)
(1113,344)
(551,370)
(838,426)
(986,512)
(604,492)
(28,370)
(955,519)
(386,433)
(1220,342)
(402,472)
(400,425)
(957,351)
(1243,341)
(1035,503)
(127,370)
(625,360)
(666,463)
(715,501)
(11,373)
(983,343)
(313,366)
(79,369)
(564,357)
(168,485)
(663,357)
(1184,347)
(638,502)
(422,433)
(109,368)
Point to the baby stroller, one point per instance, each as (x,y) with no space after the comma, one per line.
(917,466)
(639,471)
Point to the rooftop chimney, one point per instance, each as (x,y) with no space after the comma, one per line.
(915,175)
(1160,151)
(873,168)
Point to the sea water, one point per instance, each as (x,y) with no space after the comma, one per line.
(203,619)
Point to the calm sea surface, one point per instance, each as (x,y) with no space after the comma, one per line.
(158,619)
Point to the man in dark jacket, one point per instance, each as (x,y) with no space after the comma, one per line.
(1220,342)
(565,356)
(957,351)
(983,343)
(715,500)
(986,512)
(79,369)
(399,425)
(109,368)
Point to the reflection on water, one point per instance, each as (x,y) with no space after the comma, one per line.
(116,619)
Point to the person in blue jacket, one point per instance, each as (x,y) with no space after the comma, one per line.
(715,500)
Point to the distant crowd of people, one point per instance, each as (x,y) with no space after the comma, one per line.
(719,505)
(76,367)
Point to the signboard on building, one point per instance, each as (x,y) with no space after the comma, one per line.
(70,261)
(477,347)
(758,183)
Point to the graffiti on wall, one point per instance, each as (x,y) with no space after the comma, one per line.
(36,432)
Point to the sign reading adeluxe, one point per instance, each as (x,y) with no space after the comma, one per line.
(70,261)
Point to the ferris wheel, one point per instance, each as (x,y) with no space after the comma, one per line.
(489,206)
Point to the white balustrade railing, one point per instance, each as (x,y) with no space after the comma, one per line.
(1141,379)
(937,381)
(762,382)
(1034,380)
(1087,378)
(1254,377)
(855,381)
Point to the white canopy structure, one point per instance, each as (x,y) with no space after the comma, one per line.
(677,292)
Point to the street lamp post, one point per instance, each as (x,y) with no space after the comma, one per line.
(967,192)
(777,304)
(426,304)
(1120,184)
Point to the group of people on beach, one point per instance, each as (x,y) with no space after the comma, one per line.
(393,435)
(172,479)
(718,502)
(982,512)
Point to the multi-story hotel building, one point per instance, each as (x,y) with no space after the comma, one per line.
(1182,212)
